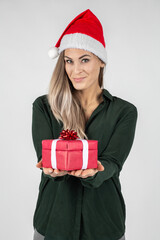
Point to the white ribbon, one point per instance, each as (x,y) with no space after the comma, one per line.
(84,153)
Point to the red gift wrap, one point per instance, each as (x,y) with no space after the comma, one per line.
(69,152)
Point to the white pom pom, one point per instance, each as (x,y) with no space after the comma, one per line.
(53,52)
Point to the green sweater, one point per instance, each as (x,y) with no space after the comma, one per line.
(92,208)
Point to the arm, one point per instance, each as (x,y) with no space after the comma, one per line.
(41,129)
(116,152)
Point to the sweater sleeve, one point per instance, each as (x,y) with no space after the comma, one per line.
(41,129)
(116,152)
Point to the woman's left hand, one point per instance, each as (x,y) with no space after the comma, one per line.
(87,172)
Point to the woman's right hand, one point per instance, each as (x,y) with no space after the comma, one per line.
(50,171)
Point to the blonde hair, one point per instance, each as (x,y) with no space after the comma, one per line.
(64,103)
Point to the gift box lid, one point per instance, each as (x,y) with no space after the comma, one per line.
(65,145)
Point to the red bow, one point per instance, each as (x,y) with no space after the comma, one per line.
(68,135)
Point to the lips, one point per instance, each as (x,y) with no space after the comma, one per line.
(78,79)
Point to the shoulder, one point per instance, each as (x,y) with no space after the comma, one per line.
(122,106)
(40,101)
(123,102)
(117,103)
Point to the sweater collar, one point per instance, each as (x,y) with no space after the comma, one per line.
(107,94)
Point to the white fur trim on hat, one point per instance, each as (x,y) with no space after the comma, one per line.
(83,41)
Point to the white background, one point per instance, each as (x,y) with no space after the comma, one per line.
(132,34)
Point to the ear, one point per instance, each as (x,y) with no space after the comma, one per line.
(103,65)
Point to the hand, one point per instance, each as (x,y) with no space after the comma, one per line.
(50,171)
(87,172)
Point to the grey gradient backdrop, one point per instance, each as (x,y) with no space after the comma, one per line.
(132,33)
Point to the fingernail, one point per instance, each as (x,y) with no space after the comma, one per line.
(50,171)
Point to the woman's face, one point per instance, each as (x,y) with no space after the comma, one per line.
(83,64)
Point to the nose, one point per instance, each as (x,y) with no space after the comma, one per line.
(77,68)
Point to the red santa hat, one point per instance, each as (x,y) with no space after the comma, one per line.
(84,32)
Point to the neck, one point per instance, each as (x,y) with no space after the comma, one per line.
(89,95)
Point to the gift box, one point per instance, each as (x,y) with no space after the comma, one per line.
(69,152)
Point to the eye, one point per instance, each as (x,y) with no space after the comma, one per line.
(67,61)
(86,59)
(70,61)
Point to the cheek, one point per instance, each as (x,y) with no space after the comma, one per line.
(92,70)
(67,69)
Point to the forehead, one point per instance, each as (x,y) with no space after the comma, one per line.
(76,52)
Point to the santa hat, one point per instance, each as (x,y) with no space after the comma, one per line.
(85,32)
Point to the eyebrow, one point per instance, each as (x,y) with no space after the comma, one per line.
(79,57)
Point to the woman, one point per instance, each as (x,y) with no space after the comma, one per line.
(84,204)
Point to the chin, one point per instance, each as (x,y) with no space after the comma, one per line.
(78,87)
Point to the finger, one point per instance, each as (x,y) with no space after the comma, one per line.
(87,172)
(39,164)
(72,172)
(63,171)
(48,170)
(56,175)
(100,167)
(91,173)
(98,162)
(78,172)
(56,171)
(60,172)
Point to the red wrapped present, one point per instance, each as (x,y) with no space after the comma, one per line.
(69,152)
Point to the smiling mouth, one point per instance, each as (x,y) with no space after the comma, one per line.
(78,79)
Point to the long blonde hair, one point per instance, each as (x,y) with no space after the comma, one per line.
(64,103)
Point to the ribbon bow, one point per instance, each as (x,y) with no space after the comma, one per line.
(68,135)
